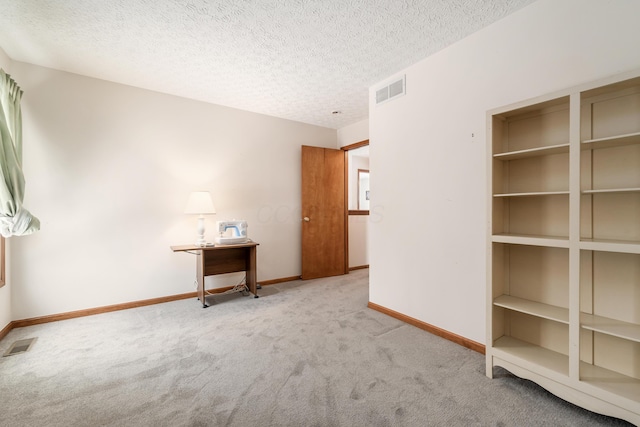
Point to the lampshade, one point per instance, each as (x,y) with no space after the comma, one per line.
(200,203)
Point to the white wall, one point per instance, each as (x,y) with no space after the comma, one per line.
(353,133)
(5,291)
(108,171)
(5,61)
(428,148)
(358,240)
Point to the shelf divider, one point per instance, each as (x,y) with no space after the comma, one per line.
(611,141)
(523,239)
(612,190)
(531,194)
(545,311)
(612,382)
(533,152)
(603,245)
(533,354)
(605,325)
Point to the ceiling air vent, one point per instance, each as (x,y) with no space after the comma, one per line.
(391,91)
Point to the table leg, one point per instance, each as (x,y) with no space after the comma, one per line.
(200,277)
(252,271)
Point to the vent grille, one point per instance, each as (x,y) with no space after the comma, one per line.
(382,94)
(391,91)
(20,346)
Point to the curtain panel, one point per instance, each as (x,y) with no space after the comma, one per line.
(15,220)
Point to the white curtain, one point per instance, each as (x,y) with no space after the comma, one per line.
(15,220)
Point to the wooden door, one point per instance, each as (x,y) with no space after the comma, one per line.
(324,230)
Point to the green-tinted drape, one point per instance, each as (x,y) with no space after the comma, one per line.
(15,220)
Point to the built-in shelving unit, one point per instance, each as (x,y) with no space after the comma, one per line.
(564,244)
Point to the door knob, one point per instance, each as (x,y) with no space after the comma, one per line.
(306,219)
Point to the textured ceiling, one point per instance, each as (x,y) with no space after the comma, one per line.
(295,59)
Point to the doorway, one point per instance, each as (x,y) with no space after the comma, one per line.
(335,210)
(358,173)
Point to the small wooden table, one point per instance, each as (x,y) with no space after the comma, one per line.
(223,259)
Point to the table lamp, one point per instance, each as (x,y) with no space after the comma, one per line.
(200,203)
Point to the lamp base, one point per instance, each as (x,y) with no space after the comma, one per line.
(201,240)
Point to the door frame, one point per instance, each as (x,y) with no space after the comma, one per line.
(347,211)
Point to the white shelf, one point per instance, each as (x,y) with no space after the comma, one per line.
(622,246)
(533,152)
(545,311)
(612,190)
(539,193)
(616,328)
(532,354)
(531,255)
(612,141)
(613,382)
(522,239)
